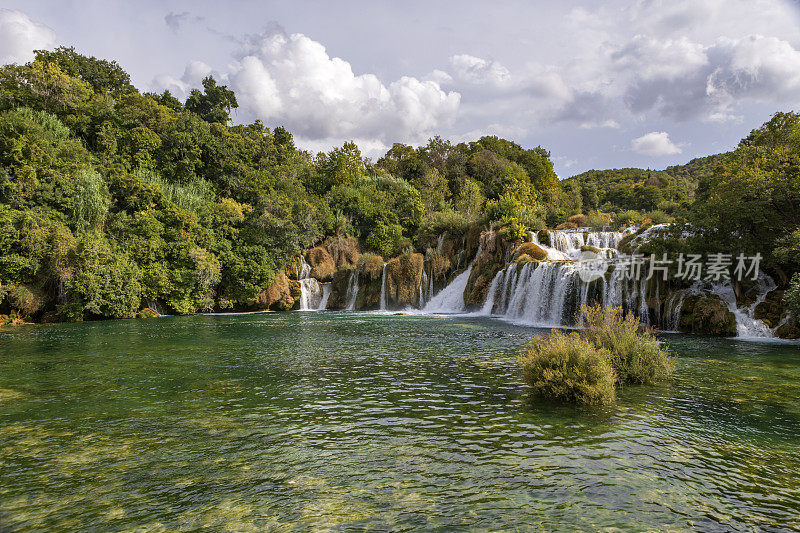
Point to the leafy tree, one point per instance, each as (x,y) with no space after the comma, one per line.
(214,104)
(102,75)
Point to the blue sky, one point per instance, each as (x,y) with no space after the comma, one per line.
(600,85)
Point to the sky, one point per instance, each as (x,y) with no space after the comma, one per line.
(600,84)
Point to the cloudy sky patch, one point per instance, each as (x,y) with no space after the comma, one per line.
(580,78)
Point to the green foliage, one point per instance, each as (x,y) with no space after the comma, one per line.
(509,211)
(105,283)
(637,356)
(91,200)
(102,75)
(565,367)
(752,201)
(627,218)
(597,220)
(792,296)
(214,104)
(386,239)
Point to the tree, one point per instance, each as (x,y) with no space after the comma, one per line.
(214,104)
(102,75)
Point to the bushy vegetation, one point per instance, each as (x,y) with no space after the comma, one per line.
(111,199)
(584,367)
(566,367)
(637,356)
(792,296)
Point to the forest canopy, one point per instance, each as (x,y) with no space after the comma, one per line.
(111,198)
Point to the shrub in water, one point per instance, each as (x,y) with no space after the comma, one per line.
(568,368)
(637,356)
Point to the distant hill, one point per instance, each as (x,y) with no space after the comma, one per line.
(641,189)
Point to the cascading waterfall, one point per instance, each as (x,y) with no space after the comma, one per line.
(352,291)
(747,326)
(451,298)
(313,294)
(383,289)
(550,293)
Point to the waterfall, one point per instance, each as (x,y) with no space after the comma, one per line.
(550,293)
(352,291)
(326,293)
(746,325)
(155,306)
(423,285)
(451,298)
(313,294)
(383,289)
(310,294)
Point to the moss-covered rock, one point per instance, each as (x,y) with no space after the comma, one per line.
(322,264)
(772,310)
(344,251)
(147,313)
(403,278)
(532,250)
(790,330)
(281,295)
(339,286)
(578,220)
(370,265)
(543,237)
(707,315)
(592,249)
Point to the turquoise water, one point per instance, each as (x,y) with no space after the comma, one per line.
(356,421)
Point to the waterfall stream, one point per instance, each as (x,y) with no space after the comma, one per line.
(451,298)
(313,294)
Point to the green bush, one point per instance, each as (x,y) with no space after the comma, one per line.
(627,218)
(597,220)
(792,296)
(637,356)
(568,368)
(658,217)
(386,239)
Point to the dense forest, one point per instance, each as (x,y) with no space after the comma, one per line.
(111,198)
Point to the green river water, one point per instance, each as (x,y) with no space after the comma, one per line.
(369,422)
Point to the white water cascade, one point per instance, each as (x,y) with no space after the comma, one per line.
(451,298)
(747,326)
(352,291)
(550,293)
(313,294)
(383,289)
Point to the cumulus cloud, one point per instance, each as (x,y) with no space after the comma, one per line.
(684,80)
(290,79)
(192,78)
(20,36)
(655,143)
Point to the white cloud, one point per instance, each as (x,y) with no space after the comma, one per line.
(20,36)
(290,79)
(192,78)
(477,70)
(655,143)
